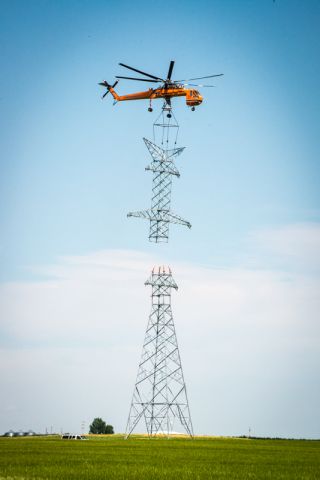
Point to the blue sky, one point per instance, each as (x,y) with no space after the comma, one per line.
(68,177)
(73,165)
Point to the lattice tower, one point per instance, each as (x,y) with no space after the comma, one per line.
(160,215)
(160,396)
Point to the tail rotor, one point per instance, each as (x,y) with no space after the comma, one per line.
(107,86)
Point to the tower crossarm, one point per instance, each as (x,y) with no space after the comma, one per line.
(160,154)
(161,280)
(174,218)
(164,216)
(163,167)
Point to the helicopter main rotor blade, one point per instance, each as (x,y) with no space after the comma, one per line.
(170,70)
(142,73)
(197,85)
(140,79)
(199,78)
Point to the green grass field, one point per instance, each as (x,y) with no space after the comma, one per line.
(140,458)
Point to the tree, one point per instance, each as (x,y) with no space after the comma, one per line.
(98,426)
(109,429)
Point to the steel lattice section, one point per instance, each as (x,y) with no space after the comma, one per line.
(159,215)
(160,395)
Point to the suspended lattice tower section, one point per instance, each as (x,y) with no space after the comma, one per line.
(160,397)
(163,168)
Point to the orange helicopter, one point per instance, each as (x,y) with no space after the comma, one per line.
(168,89)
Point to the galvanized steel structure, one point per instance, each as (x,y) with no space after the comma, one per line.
(160,215)
(160,395)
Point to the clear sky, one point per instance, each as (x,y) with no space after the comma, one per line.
(73,305)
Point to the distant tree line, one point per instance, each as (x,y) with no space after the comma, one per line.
(277,438)
(99,426)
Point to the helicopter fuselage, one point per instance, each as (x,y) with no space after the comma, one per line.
(193,97)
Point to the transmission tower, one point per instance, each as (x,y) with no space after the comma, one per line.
(160,216)
(163,168)
(160,395)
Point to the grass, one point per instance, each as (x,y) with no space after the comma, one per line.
(112,457)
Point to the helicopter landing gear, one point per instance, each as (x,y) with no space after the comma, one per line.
(193,109)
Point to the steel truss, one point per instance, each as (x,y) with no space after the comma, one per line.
(160,215)
(160,395)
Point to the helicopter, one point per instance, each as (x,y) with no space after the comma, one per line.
(168,89)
